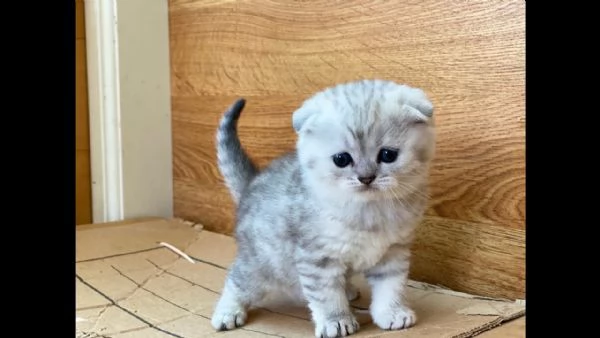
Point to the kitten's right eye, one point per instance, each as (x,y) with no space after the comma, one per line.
(342,159)
(387,155)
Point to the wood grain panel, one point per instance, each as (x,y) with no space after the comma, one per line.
(83,193)
(79,19)
(474,258)
(468,55)
(83,188)
(82,132)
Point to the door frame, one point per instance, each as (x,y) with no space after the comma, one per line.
(129,93)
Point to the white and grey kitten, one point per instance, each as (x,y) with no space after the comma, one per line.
(346,201)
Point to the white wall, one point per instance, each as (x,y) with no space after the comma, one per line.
(130,108)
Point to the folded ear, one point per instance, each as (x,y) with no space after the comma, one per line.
(418,105)
(421,113)
(302,116)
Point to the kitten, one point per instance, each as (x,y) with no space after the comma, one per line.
(345,201)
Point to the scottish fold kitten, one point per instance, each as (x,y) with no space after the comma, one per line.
(346,201)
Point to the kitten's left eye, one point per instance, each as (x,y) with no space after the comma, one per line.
(387,155)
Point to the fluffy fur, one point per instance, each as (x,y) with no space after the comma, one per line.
(305,225)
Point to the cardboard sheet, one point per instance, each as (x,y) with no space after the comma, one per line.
(129,285)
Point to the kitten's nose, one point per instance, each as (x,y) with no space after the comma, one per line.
(366,180)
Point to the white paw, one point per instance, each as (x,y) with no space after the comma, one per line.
(395,319)
(229,319)
(341,326)
(352,292)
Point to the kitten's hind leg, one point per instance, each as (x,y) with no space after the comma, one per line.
(238,295)
(230,312)
(352,292)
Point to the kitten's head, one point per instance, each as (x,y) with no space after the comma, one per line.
(368,139)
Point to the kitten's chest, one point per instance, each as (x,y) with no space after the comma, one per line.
(359,250)
(362,238)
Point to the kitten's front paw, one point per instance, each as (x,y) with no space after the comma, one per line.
(228,320)
(396,319)
(341,326)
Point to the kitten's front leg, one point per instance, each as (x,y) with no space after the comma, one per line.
(388,279)
(323,283)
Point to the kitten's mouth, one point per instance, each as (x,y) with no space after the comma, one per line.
(366,188)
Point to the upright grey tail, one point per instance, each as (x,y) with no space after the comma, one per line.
(235,165)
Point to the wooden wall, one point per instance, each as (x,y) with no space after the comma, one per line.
(83,187)
(468,55)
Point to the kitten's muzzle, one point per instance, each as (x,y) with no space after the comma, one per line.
(366,180)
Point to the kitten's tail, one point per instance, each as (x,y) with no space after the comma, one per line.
(235,165)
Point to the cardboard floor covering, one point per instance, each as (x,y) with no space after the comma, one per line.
(129,284)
